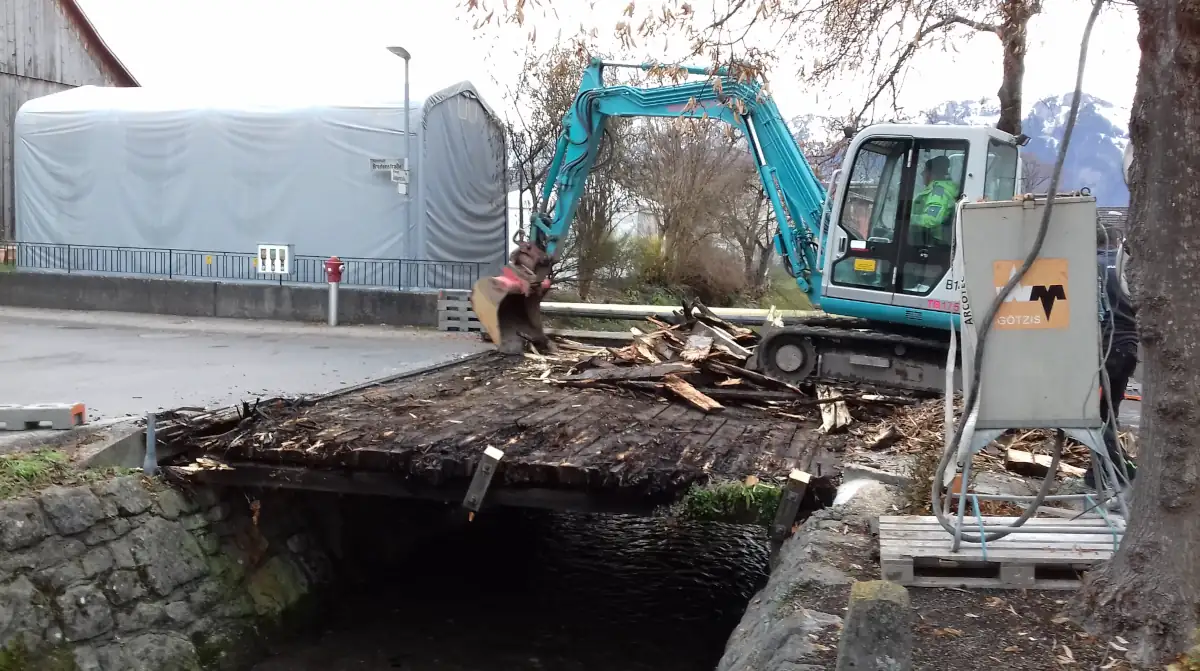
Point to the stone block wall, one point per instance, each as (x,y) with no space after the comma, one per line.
(130,574)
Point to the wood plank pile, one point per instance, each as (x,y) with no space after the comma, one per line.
(701,361)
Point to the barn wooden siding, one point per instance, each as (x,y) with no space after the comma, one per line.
(46,46)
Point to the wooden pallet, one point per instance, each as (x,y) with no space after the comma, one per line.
(915,551)
(455,314)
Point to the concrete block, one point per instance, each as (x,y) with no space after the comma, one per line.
(200,298)
(60,416)
(877,633)
(121,446)
(63,291)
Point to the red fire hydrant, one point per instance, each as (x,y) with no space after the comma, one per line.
(333,269)
(333,272)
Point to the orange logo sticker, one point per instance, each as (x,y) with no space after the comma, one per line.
(1038,301)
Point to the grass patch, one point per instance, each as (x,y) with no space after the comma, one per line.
(734,502)
(18,657)
(22,474)
(784,294)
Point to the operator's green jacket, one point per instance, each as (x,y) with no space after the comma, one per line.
(933,207)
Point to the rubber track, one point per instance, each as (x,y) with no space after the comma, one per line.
(830,336)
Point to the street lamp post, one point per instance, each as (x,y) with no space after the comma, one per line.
(403,53)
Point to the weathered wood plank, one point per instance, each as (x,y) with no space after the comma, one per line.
(632,372)
(909,547)
(431,428)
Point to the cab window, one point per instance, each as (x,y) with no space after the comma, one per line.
(868,215)
(1000,180)
(939,177)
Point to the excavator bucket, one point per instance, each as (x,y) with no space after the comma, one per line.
(510,310)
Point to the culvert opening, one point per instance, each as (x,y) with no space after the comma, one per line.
(414,585)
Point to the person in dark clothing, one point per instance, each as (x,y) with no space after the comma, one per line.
(1119,347)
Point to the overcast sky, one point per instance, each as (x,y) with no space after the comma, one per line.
(335,50)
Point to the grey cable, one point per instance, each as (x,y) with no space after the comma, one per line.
(986,324)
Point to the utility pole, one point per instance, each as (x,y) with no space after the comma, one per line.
(403,53)
(410,202)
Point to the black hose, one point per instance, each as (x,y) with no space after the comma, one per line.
(985,325)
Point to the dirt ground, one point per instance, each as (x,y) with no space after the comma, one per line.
(1013,630)
(960,629)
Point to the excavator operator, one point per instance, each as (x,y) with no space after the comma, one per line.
(933,207)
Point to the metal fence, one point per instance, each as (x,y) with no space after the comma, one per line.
(188,264)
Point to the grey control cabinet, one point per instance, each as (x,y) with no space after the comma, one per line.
(1042,358)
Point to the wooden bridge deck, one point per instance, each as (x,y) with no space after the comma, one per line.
(431,430)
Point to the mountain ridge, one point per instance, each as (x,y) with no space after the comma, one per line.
(1098,141)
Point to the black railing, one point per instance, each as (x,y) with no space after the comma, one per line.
(184,264)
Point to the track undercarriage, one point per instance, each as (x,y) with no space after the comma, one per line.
(855,352)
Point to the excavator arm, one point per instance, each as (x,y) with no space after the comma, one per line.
(509,306)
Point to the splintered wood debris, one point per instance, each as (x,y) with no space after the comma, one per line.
(919,429)
(701,362)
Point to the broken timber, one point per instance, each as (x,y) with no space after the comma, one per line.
(915,551)
(785,514)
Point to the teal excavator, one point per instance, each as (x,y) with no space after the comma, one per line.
(872,251)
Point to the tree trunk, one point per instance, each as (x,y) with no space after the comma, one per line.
(1150,591)
(1014,24)
(764,263)
(748,266)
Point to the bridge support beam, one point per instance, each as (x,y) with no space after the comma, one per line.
(785,514)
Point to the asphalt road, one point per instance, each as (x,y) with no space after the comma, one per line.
(124,364)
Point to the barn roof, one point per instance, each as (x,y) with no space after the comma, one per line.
(95,44)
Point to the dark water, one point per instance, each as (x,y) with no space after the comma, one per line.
(520,590)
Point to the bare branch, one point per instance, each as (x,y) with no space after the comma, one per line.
(977,25)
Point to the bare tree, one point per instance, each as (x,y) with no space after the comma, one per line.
(593,246)
(683,171)
(746,222)
(1149,592)
(845,36)
(1035,174)
(538,100)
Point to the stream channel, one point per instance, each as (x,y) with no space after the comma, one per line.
(520,589)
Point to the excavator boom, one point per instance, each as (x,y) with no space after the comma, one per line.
(509,306)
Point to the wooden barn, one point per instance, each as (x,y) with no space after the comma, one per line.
(46,46)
